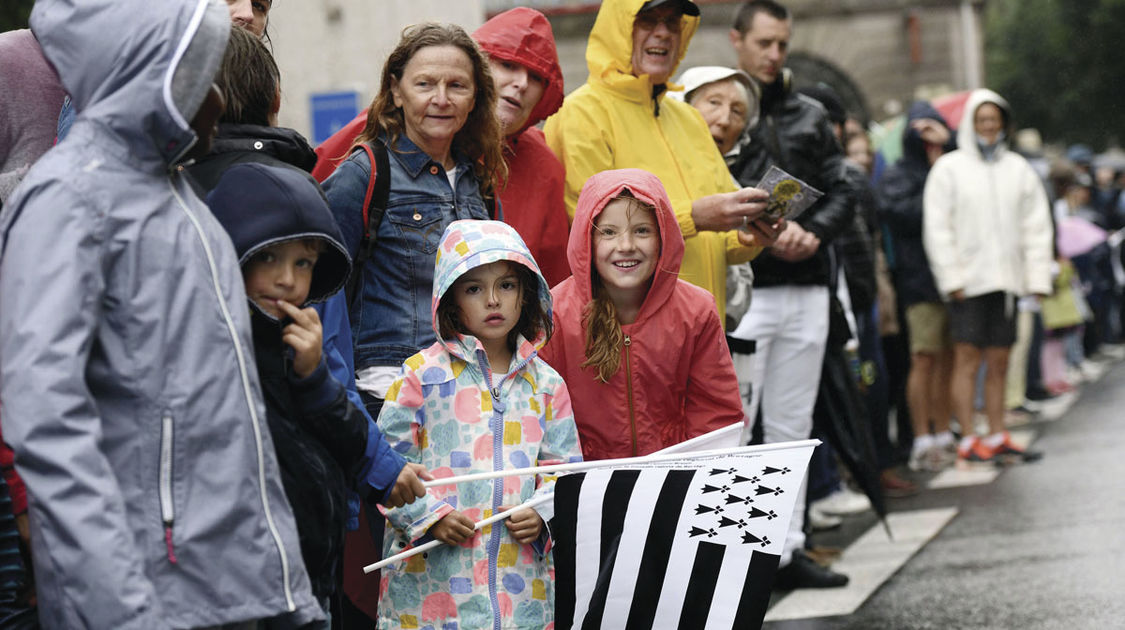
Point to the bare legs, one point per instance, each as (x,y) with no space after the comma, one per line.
(966,361)
(927,391)
(995,383)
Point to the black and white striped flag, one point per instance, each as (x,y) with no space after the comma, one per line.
(686,544)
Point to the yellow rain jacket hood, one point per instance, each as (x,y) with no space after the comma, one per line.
(617,121)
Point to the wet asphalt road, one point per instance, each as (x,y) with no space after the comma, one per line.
(1041,546)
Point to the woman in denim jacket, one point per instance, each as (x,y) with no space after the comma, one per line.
(434,114)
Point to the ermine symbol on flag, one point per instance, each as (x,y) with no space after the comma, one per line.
(681,545)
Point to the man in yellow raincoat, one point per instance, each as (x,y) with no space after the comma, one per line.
(621,119)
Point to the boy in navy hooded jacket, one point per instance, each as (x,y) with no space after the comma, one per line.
(291,256)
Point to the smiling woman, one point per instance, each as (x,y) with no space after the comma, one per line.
(434,119)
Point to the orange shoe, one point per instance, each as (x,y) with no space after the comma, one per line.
(1008,452)
(977,453)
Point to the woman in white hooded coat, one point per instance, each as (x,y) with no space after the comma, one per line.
(987,233)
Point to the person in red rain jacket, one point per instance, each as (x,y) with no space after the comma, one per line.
(642,352)
(525,67)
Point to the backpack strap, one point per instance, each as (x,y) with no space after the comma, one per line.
(375,202)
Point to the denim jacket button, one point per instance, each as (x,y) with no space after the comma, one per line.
(417,216)
(433,169)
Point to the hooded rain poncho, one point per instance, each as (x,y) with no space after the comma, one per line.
(987,224)
(676,380)
(128,384)
(532,196)
(450,412)
(614,121)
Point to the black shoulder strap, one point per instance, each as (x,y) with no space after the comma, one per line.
(374,206)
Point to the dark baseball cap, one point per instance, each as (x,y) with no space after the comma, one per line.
(687,7)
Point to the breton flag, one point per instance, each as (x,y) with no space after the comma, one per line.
(692,543)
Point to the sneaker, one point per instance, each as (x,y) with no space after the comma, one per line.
(934,459)
(819,520)
(843,502)
(1018,416)
(803,572)
(1010,452)
(978,453)
(1091,371)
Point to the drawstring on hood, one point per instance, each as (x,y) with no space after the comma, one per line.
(466,245)
(596,195)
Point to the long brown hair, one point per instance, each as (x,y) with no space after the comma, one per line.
(604,337)
(480,138)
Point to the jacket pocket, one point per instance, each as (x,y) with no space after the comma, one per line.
(167,505)
(419,225)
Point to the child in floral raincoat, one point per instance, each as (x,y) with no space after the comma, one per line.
(478,400)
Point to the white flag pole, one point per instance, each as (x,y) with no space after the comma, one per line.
(413,551)
(728,436)
(623,462)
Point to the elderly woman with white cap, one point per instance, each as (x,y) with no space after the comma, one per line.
(728,100)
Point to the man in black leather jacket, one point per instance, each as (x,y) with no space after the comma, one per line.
(788,317)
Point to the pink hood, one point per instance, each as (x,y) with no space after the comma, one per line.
(596,194)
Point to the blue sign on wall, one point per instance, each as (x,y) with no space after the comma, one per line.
(330,112)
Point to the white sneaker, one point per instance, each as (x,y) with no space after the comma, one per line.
(819,520)
(843,502)
(932,460)
(1091,370)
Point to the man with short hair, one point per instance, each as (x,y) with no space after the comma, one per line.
(621,119)
(788,317)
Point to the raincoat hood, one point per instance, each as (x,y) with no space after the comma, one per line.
(596,194)
(967,134)
(524,36)
(261,205)
(913,147)
(609,52)
(148,73)
(468,244)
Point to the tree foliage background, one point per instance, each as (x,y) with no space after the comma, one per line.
(14,14)
(1060,65)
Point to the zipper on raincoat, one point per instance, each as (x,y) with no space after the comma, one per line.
(629,394)
(247,392)
(492,547)
(167,508)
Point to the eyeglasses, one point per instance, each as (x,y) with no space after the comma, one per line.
(650,19)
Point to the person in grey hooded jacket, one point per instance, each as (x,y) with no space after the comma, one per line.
(126,361)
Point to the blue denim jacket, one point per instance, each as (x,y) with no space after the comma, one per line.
(392,321)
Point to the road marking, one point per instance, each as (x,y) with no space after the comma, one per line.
(868,562)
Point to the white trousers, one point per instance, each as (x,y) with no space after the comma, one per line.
(790,326)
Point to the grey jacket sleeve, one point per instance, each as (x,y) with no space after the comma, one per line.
(52,283)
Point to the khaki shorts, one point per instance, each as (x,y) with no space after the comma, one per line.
(928,323)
